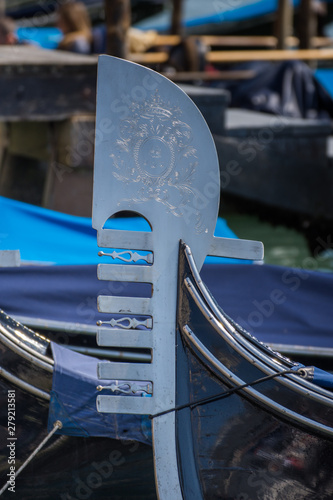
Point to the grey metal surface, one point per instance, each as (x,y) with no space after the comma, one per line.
(126,338)
(124,305)
(119,272)
(237,249)
(156,158)
(10,258)
(125,371)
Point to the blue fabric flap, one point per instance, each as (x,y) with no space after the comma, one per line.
(73,401)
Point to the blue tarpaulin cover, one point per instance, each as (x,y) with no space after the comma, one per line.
(276,304)
(47,236)
(213,12)
(318,376)
(73,401)
(322,378)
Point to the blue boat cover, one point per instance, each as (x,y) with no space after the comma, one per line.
(276,304)
(50,237)
(322,378)
(45,37)
(213,12)
(73,401)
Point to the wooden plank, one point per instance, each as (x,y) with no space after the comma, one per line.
(307,24)
(239,41)
(227,40)
(260,41)
(322,41)
(236,56)
(149,57)
(188,76)
(176,17)
(284,23)
(167,40)
(118,20)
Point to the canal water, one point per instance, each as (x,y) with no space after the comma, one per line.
(283,245)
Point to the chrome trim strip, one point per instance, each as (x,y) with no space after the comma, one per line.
(303,350)
(24,385)
(316,392)
(218,313)
(193,339)
(26,352)
(57,326)
(234,335)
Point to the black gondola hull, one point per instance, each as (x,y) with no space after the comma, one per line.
(270,440)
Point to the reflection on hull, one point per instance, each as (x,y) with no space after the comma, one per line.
(267,440)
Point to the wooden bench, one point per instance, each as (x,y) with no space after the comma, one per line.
(236,56)
(162,42)
(240,41)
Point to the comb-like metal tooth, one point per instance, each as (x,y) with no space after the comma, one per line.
(127,323)
(124,305)
(126,338)
(125,371)
(236,249)
(127,404)
(120,272)
(128,256)
(114,238)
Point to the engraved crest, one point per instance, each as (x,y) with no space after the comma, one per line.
(155,150)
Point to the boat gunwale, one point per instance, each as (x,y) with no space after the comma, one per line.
(228,325)
(246,348)
(265,401)
(28,353)
(25,386)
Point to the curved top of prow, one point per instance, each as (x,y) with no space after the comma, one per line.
(154,155)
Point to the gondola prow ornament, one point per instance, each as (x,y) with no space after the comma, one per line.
(155,156)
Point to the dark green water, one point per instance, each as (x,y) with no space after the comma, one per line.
(283,246)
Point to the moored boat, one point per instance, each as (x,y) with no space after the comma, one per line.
(255,426)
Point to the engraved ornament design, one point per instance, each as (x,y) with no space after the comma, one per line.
(155,150)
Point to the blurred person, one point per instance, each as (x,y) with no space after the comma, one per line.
(74,22)
(7,31)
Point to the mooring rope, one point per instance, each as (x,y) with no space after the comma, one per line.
(57,425)
(221,395)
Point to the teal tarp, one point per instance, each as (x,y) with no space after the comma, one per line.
(51,237)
